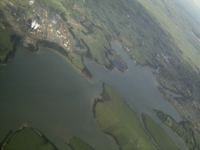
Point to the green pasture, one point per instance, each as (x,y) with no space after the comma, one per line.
(159,134)
(76,60)
(117,119)
(77,144)
(28,139)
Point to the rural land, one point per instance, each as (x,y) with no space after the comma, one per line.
(116,119)
(156,33)
(26,137)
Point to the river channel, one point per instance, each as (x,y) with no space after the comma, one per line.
(45,91)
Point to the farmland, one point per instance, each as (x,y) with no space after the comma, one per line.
(184,129)
(159,134)
(27,138)
(78,144)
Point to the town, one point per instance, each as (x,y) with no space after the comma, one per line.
(48,26)
(38,24)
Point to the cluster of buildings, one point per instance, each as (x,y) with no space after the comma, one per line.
(49,27)
(34,25)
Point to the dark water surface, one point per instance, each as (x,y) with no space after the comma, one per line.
(46,92)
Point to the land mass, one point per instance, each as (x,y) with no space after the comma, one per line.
(26,138)
(159,134)
(116,119)
(184,130)
(154,33)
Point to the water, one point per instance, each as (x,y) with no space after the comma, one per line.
(119,64)
(46,92)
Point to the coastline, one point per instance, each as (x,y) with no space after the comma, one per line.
(97,100)
(145,126)
(66,59)
(103,99)
(22,127)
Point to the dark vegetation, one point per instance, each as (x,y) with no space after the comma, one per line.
(63,17)
(61,50)
(184,129)
(8,45)
(54,46)
(86,72)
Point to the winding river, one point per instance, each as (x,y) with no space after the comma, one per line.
(45,91)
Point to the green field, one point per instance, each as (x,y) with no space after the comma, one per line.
(159,134)
(6,45)
(77,144)
(28,139)
(76,60)
(117,119)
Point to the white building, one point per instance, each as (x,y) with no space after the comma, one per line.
(31,2)
(34,25)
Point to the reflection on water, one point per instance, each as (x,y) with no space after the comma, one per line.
(50,95)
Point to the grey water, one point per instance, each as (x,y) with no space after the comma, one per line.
(45,91)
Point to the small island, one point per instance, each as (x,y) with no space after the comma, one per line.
(27,138)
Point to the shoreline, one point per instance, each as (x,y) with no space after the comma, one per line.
(22,127)
(145,126)
(66,59)
(103,99)
(97,100)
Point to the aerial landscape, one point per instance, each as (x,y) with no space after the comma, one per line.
(100,74)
